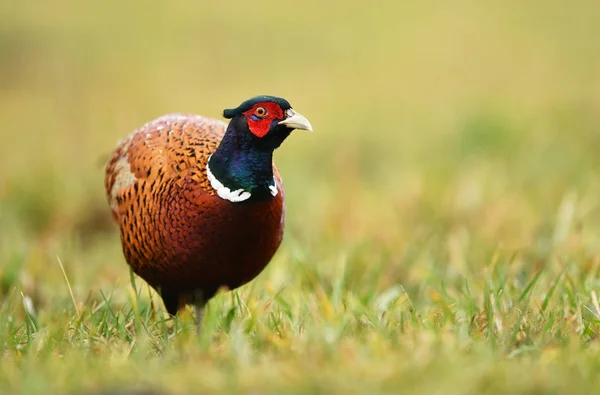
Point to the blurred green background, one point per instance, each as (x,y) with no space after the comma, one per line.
(447,135)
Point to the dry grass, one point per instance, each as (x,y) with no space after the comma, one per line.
(443,229)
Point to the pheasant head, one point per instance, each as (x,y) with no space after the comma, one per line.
(241,169)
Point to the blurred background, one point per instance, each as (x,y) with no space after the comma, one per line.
(444,133)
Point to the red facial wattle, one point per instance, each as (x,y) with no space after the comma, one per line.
(259,127)
(260,124)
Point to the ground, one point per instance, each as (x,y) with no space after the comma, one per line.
(443,220)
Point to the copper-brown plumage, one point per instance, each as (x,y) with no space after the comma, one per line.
(177,233)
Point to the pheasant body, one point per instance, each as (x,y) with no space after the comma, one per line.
(200,204)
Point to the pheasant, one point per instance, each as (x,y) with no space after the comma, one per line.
(199,203)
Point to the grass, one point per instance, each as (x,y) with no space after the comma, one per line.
(443,221)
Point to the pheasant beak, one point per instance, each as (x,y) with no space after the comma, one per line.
(294,120)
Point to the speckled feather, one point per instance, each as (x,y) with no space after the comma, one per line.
(177,234)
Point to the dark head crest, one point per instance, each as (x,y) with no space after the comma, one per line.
(245,106)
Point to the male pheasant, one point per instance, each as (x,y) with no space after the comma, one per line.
(199,203)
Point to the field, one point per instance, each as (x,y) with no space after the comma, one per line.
(443,220)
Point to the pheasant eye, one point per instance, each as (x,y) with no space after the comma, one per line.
(260,111)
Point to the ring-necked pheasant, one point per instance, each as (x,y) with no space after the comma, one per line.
(200,204)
